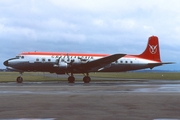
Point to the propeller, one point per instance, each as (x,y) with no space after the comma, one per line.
(68,61)
(68,57)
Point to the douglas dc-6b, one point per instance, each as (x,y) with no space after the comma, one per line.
(73,63)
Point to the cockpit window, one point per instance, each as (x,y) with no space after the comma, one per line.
(18,57)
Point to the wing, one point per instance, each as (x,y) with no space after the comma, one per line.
(95,64)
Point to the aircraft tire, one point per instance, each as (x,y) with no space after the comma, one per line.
(86,79)
(19,79)
(71,79)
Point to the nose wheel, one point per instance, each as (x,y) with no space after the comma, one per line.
(19,79)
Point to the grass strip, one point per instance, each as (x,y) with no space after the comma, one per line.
(39,76)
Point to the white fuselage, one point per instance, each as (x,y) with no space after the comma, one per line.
(58,63)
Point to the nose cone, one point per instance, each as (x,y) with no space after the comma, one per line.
(6,63)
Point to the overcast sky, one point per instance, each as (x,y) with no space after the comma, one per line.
(89,26)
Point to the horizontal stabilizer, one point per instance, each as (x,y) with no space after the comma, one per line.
(152,65)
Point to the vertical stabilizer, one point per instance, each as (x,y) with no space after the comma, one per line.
(152,51)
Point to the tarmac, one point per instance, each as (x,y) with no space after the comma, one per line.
(115,100)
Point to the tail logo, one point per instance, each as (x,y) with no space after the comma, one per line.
(153,49)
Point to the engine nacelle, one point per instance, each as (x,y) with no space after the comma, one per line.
(63,65)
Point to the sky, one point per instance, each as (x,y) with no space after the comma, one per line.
(90,26)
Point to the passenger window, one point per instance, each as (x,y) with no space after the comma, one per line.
(37,59)
(121,61)
(49,60)
(126,61)
(43,59)
(22,57)
(131,62)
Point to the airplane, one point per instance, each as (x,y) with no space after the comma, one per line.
(73,63)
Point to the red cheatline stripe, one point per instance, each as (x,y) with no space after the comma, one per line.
(63,53)
(75,54)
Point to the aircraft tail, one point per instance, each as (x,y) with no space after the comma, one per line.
(152,51)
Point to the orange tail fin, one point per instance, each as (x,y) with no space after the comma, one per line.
(152,51)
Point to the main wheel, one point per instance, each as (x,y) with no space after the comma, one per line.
(19,79)
(71,79)
(86,79)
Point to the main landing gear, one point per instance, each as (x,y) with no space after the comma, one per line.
(86,78)
(71,79)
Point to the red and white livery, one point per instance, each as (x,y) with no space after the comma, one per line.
(72,63)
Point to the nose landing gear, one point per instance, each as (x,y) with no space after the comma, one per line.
(19,79)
